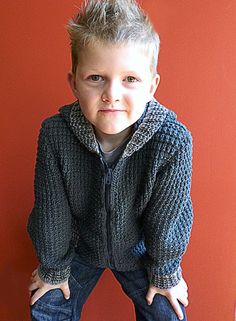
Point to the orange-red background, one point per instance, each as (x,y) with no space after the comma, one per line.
(197,67)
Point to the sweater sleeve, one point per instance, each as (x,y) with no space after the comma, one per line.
(49,224)
(167,220)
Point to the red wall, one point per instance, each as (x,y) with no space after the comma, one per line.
(197,67)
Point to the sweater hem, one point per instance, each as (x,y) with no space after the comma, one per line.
(52,276)
(164,281)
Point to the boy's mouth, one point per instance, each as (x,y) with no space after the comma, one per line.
(111,110)
(111,107)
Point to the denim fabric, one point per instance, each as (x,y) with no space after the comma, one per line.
(53,307)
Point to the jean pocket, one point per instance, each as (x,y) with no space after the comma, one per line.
(52,306)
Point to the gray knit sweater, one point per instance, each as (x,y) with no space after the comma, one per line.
(136,215)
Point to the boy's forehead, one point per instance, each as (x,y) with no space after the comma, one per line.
(132,47)
(126,55)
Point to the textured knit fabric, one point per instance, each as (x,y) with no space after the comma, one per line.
(137,215)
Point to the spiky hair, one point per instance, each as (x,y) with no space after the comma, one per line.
(112,22)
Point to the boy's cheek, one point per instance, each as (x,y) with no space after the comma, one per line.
(89,94)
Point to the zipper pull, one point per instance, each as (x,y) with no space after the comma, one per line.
(108,176)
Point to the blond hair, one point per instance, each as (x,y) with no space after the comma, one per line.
(112,22)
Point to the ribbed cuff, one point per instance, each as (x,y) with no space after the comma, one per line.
(164,281)
(53,276)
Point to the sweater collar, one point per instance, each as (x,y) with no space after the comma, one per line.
(147,125)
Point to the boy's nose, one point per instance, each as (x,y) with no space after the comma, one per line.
(111,92)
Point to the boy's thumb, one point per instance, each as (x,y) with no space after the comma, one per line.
(150,295)
(66,292)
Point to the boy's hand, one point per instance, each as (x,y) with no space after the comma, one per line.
(178,292)
(41,287)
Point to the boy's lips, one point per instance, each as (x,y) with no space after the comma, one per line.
(111,110)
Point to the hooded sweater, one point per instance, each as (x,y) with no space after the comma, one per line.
(137,214)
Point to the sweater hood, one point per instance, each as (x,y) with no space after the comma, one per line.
(147,125)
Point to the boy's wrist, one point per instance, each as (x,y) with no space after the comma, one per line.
(164,281)
(53,276)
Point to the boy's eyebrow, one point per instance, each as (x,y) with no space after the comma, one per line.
(91,70)
(133,72)
(102,71)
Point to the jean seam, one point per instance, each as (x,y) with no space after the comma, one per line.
(75,280)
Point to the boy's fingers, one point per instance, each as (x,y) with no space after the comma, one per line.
(150,295)
(184,301)
(34,273)
(33,286)
(175,304)
(37,295)
(66,292)
(185,285)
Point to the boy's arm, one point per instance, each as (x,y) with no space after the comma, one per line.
(167,219)
(49,223)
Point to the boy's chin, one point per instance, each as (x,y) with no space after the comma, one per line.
(112,131)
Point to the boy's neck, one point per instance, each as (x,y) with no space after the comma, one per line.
(109,142)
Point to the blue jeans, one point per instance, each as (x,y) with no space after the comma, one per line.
(54,307)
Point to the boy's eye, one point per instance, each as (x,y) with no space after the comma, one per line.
(95,78)
(131,79)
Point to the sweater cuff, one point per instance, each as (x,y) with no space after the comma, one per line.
(53,276)
(164,281)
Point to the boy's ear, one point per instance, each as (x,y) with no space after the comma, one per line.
(72,83)
(154,85)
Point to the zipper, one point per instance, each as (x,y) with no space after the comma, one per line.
(107,202)
(108,179)
(108,176)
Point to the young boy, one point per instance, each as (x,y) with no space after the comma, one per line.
(113,176)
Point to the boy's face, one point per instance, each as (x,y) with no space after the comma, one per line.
(113,84)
